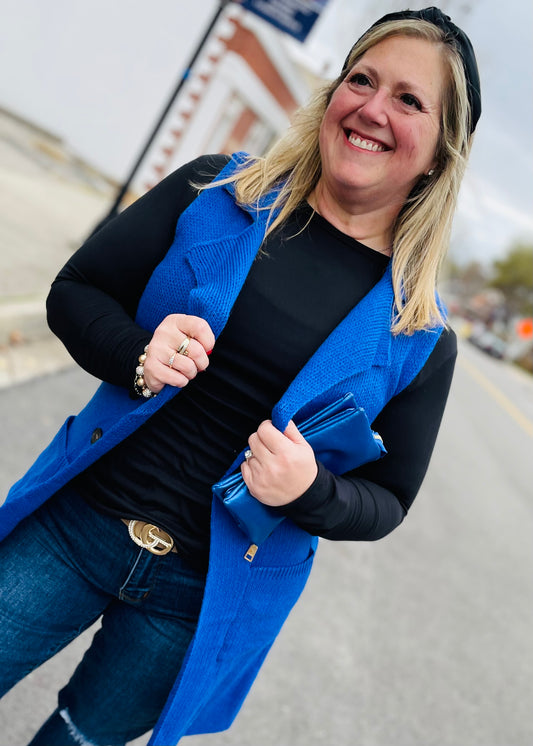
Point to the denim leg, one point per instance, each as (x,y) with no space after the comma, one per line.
(44,602)
(59,731)
(120,687)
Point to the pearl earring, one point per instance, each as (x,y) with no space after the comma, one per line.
(430,172)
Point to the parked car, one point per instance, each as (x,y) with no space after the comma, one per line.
(489,343)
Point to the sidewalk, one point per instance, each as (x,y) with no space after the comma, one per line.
(32,359)
(50,201)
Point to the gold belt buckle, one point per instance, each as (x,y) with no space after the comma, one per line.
(150,537)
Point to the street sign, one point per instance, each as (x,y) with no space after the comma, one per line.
(295,17)
(524,328)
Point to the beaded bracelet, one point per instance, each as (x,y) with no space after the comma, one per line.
(139,385)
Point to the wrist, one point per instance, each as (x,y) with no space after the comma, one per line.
(139,384)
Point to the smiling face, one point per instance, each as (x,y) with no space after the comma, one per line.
(380,131)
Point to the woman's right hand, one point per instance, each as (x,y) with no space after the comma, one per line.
(167,338)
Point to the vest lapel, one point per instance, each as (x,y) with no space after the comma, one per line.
(360,341)
(221,260)
(222,277)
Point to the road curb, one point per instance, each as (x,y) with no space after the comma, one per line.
(20,363)
(23,320)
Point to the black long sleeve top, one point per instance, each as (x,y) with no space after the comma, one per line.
(308,276)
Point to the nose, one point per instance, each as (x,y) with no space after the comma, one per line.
(375,108)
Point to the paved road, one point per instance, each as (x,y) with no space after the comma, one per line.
(422,639)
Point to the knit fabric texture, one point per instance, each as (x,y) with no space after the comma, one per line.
(245,604)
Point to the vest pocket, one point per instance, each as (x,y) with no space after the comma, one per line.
(266,602)
(55,454)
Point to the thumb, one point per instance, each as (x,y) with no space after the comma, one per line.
(292,433)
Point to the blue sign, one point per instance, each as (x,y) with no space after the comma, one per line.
(295,17)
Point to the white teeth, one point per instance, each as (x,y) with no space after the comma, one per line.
(373,146)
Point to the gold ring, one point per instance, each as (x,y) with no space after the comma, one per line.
(182,349)
(248,454)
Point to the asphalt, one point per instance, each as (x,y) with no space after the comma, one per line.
(50,201)
(420,639)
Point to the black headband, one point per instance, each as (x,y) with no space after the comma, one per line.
(444,22)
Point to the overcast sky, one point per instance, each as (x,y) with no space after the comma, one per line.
(97,73)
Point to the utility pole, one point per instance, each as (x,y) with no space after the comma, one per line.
(126,185)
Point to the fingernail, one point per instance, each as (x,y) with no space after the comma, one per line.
(209,352)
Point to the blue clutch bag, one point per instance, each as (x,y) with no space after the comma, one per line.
(342,439)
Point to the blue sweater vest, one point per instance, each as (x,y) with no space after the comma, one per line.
(245,604)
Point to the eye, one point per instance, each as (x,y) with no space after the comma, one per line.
(411,101)
(359,79)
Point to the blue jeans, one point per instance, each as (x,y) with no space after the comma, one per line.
(63,568)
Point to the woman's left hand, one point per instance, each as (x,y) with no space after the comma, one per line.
(282,467)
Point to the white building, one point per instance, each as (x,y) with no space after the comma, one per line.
(240,95)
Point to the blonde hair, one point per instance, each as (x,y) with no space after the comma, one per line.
(421,232)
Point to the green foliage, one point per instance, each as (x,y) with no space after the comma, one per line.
(465,280)
(513,275)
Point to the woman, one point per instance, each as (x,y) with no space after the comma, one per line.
(307,274)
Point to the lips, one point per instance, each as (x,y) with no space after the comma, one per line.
(365,143)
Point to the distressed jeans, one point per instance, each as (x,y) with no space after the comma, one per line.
(62,569)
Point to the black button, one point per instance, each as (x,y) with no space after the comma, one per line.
(96,435)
